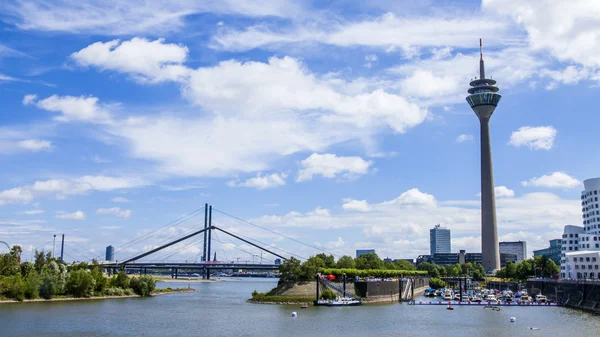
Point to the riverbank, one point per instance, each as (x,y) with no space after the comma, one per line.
(192,280)
(62,299)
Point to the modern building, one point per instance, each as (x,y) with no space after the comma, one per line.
(553,252)
(483,99)
(110,253)
(424,258)
(444,259)
(581,245)
(473,258)
(360,252)
(439,240)
(506,257)
(277,261)
(518,248)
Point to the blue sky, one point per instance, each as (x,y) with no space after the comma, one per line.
(343,126)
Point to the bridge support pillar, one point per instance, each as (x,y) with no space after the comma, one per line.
(208,273)
(176,273)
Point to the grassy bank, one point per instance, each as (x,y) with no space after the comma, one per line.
(156,292)
(266,299)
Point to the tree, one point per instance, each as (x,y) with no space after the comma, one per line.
(310,267)
(143,285)
(329,260)
(81,283)
(327,294)
(290,270)
(432,269)
(525,269)
(369,261)
(40,261)
(15,252)
(54,278)
(9,265)
(346,262)
(121,280)
(13,287)
(405,265)
(389,265)
(99,279)
(32,284)
(436,283)
(27,268)
(550,269)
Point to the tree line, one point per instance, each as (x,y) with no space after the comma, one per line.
(539,266)
(294,270)
(49,278)
(474,270)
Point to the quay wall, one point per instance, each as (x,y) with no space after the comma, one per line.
(572,293)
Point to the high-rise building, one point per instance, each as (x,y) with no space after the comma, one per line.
(439,240)
(483,99)
(580,256)
(360,252)
(277,262)
(553,252)
(518,248)
(110,253)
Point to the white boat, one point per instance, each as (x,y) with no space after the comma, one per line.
(524,299)
(343,302)
(541,299)
(491,298)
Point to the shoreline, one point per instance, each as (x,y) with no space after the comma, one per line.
(64,299)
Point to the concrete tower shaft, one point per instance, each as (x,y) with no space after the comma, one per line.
(483,99)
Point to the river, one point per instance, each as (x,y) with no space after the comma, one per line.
(219,309)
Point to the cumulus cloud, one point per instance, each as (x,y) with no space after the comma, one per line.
(146,61)
(120,199)
(554,180)
(73,108)
(502,192)
(33,212)
(261,182)
(329,166)
(29,99)
(536,138)
(356,205)
(78,215)
(62,188)
(116,211)
(464,138)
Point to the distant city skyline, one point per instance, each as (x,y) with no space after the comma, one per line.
(342,126)
(439,240)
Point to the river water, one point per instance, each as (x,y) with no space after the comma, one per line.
(219,309)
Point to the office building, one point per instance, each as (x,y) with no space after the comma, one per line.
(110,253)
(581,245)
(514,247)
(277,262)
(360,252)
(439,240)
(483,99)
(506,257)
(424,258)
(553,252)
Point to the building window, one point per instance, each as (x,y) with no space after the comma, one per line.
(576,266)
(589,266)
(570,235)
(576,235)
(593,259)
(587,259)
(581,259)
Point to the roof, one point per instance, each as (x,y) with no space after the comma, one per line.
(583,252)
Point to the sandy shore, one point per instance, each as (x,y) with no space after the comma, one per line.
(195,280)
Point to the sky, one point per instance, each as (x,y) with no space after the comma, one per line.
(341,126)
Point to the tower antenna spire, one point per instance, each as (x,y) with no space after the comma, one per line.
(480,50)
(481,66)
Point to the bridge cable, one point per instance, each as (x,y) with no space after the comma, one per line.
(168,255)
(76,252)
(178,235)
(222,250)
(93,254)
(274,232)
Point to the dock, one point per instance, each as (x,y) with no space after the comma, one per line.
(483,304)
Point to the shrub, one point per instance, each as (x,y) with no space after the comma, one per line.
(436,283)
(143,285)
(81,283)
(13,287)
(327,294)
(32,285)
(129,292)
(114,292)
(121,280)
(100,280)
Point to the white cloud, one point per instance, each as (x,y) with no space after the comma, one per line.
(76,108)
(441,53)
(146,61)
(423,83)
(356,205)
(329,166)
(569,30)
(116,211)
(536,138)
(62,188)
(33,212)
(554,180)
(371,60)
(464,138)
(120,199)
(386,31)
(29,99)
(109,228)
(35,145)
(114,17)
(413,197)
(78,215)
(261,182)
(568,75)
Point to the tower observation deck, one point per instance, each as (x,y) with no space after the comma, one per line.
(483,99)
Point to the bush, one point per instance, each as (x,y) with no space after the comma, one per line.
(436,283)
(81,283)
(32,285)
(128,292)
(13,287)
(114,292)
(100,280)
(327,294)
(121,280)
(54,277)
(143,285)
(371,272)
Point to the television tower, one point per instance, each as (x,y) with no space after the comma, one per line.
(483,99)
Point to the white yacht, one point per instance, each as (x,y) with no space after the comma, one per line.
(343,302)
(541,299)
(448,296)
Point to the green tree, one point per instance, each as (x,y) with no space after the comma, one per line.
(405,265)
(369,261)
(436,283)
(327,294)
(143,285)
(32,285)
(9,265)
(290,269)
(550,269)
(121,280)
(99,279)
(525,269)
(54,278)
(389,265)
(310,267)
(40,261)
(27,268)
(81,283)
(432,269)
(346,262)
(15,252)
(329,260)
(453,270)
(13,287)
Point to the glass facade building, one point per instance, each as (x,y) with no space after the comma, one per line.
(439,240)
(518,248)
(110,253)
(360,252)
(553,252)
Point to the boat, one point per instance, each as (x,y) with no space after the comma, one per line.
(429,292)
(448,297)
(541,299)
(476,299)
(524,299)
(449,307)
(304,306)
(343,302)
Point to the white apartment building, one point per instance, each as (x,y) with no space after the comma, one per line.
(580,257)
